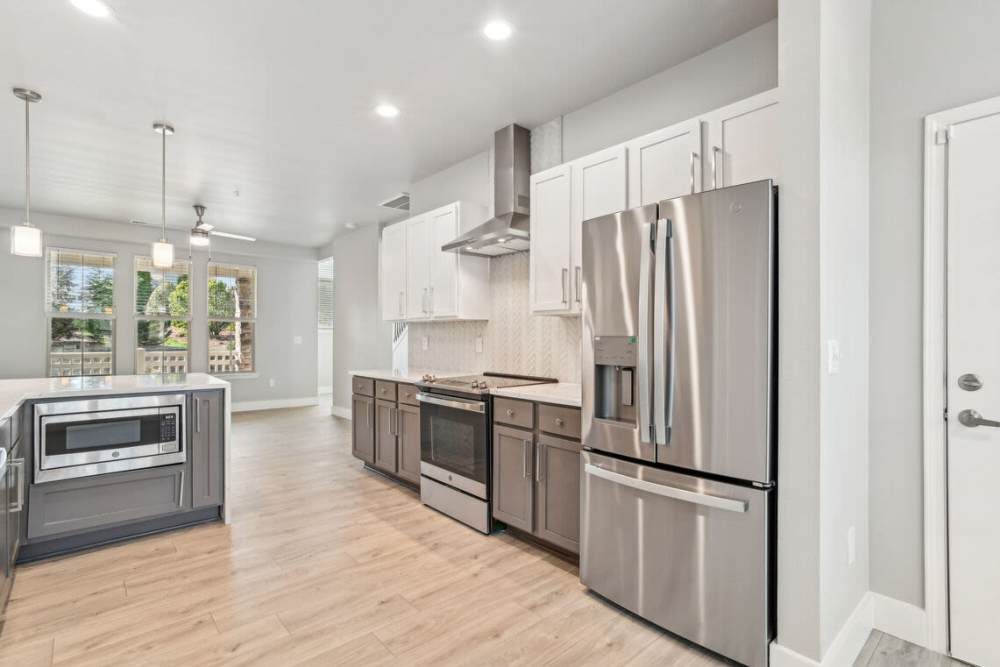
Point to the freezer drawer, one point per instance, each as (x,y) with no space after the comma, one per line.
(688,554)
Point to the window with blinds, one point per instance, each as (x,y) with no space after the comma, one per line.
(80,303)
(232,314)
(326,294)
(163,317)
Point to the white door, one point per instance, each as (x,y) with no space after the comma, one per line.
(973,349)
(393,271)
(443,295)
(664,164)
(742,142)
(600,183)
(418,239)
(549,259)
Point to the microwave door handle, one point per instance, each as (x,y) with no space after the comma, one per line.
(661,335)
(646,257)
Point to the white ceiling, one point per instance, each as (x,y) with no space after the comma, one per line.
(274,99)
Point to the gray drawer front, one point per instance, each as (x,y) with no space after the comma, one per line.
(385,391)
(515,413)
(559,420)
(363,386)
(105,500)
(407,394)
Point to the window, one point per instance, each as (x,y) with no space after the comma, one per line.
(163,317)
(232,312)
(80,303)
(326,293)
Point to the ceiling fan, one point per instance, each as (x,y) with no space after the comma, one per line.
(201,230)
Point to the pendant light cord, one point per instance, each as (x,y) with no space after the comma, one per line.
(163,188)
(27,163)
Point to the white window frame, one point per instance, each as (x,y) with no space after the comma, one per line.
(76,315)
(142,317)
(252,372)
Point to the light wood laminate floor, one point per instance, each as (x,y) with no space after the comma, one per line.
(325,564)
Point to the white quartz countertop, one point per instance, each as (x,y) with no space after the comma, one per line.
(413,375)
(559,393)
(14,392)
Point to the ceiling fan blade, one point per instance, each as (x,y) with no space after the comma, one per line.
(238,237)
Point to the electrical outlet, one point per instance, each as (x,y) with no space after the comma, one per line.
(852,551)
(832,356)
(479,344)
(297,340)
(424,343)
(271,382)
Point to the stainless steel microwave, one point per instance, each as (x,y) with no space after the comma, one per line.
(94,437)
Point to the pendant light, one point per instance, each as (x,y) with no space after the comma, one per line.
(26,239)
(163,251)
(199,233)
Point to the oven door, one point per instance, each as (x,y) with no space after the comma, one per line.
(454,442)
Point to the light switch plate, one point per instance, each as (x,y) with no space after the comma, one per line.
(297,340)
(424,343)
(479,344)
(832,356)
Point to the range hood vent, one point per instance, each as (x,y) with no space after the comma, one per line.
(508,231)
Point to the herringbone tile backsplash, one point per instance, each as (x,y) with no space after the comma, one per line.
(514,340)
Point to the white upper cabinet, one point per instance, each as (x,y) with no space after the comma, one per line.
(435,284)
(665,164)
(742,141)
(392,264)
(550,258)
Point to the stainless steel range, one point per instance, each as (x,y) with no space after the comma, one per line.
(455,443)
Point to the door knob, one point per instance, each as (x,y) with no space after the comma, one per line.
(972,419)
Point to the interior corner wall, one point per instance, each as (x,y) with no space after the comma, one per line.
(927,56)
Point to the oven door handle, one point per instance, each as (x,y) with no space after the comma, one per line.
(476,406)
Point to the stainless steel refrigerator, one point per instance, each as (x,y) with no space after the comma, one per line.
(678,470)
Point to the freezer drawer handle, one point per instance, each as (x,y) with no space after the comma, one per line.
(717,502)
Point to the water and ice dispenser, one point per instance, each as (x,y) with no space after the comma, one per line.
(615,378)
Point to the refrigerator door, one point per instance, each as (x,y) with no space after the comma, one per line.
(721,263)
(688,554)
(617,383)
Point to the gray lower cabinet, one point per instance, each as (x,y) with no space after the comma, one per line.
(408,424)
(385,436)
(557,475)
(206,448)
(513,486)
(363,428)
(90,502)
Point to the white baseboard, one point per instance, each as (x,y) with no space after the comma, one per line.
(250,406)
(338,411)
(325,391)
(900,619)
(844,648)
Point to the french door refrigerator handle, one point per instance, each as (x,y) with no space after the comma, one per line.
(661,351)
(645,388)
(705,499)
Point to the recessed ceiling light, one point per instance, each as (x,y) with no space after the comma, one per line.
(94,8)
(387,110)
(498,31)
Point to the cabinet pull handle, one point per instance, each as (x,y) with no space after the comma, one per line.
(694,156)
(538,462)
(565,283)
(18,464)
(398,412)
(524,458)
(559,421)
(197,415)
(716,157)
(579,284)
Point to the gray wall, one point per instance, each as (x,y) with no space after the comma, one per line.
(360,338)
(286,303)
(927,56)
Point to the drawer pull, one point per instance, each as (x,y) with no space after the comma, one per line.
(510,413)
(560,422)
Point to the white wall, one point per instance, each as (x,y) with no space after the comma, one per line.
(286,303)
(361,339)
(324,363)
(927,56)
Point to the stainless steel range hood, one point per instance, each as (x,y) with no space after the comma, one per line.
(508,230)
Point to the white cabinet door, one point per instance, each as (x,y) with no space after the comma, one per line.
(393,272)
(443,294)
(418,239)
(550,257)
(742,142)
(665,164)
(599,187)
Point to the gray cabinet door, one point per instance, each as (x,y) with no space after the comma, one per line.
(206,448)
(557,475)
(363,428)
(409,442)
(385,436)
(513,486)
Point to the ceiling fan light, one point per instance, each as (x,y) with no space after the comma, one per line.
(199,238)
(26,240)
(163,254)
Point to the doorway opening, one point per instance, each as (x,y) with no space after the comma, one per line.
(325,324)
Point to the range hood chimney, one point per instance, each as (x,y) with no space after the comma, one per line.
(508,230)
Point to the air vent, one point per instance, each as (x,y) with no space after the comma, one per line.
(400,202)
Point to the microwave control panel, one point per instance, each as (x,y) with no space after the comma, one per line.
(168,427)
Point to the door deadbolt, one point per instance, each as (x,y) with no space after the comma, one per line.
(970,382)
